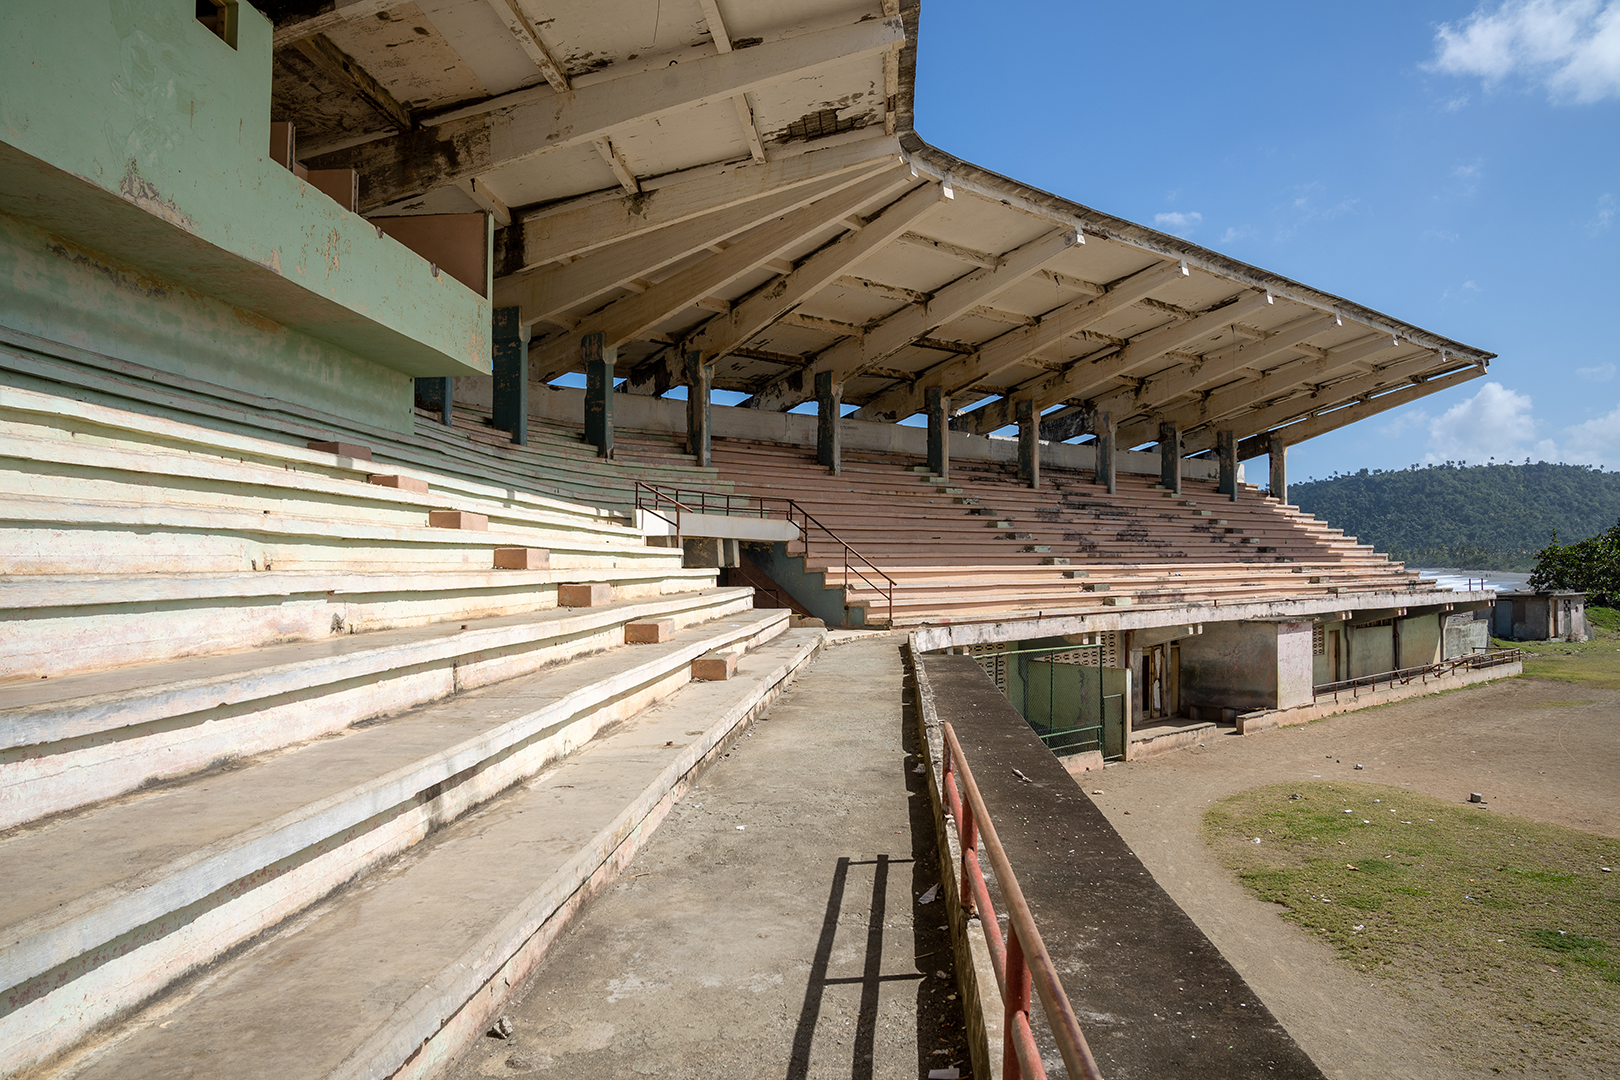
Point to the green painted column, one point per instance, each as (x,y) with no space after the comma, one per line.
(938,405)
(1170,457)
(1107,467)
(1279,468)
(699,384)
(1226,456)
(829,411)
(1029,442)
(599,358)
(511,375)
(438,395)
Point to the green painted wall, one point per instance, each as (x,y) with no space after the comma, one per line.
(57,290)
(1420,641)
(130,129)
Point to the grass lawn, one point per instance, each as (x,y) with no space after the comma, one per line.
(1595,662)
(1510,928)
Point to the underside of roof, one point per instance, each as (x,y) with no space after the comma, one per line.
(740,179)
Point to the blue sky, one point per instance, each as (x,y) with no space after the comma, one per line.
(1454,166)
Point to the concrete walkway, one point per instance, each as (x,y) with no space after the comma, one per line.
(770,928)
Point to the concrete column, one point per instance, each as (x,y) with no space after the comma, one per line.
(436,394)
(699,381)
(1107,432)
(1226,454)
(599,358)
(511,375)
(829,411)
(939,435)
(1170,457)
(1279,468)
(1029,442)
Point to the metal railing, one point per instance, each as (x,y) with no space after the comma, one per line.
(650,497)
(1477,660)
(1020,958)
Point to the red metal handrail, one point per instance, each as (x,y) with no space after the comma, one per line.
(1474,661)
(1021,957)
(729,504)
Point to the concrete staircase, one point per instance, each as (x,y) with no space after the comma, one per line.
(296,777)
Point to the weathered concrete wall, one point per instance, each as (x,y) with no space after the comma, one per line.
(1294,667)
(1372,650)
(62,292)
(1465,632)
(1232,665)
(642,413)
(129,128)
(1420,641)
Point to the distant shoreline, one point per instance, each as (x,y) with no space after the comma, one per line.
(1452,577)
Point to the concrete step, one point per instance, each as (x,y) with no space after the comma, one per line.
(47,535)
(72,741)
(61,372)
(52,625)
(96,426)
(396,973)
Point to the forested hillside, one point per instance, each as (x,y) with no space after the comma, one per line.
(1481,517)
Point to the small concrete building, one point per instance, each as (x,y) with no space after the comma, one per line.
(1542,616)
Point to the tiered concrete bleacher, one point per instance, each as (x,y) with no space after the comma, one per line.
(554,464)
(981,545)
(260,702)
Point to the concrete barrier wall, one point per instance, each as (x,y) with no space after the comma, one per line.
(975,974)
(635,411)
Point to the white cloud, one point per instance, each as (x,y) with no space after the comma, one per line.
(1598,373)
(1177,222)
(1572,47)
(1495,422)
(1467,172)
(1596,442)
(1239,232)
(1605,213)
(1403,422)
(1462,291)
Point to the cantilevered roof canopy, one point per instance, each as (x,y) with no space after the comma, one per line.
(741,178)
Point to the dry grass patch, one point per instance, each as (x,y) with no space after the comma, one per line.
(1510,927)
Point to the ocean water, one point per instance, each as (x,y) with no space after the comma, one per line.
(1473,580)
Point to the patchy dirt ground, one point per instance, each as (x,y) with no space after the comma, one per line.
(1544,750)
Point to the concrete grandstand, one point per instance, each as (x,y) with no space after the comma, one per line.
(362,463)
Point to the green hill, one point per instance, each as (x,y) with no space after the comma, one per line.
(1480,517)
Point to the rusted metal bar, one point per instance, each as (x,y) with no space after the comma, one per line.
(1021,960)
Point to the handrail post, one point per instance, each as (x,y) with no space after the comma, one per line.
(1016,1008)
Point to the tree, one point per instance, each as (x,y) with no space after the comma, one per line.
(1591,566)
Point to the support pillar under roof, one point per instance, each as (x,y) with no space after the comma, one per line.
(1170,457)
(436,394)
(829,411)
(1107,432)
(1279,468)
(1029,443)
(699,384)
(599,358)
(510,370)
(1226,456)
(938,406)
